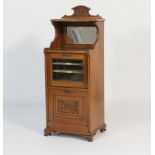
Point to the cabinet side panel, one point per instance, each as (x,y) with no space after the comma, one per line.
(46,90)
(97,82)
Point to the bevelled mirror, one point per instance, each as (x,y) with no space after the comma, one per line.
(81,34)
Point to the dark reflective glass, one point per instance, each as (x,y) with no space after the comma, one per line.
(67,70)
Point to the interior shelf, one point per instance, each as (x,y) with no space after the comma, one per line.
(68,63)
(68,71)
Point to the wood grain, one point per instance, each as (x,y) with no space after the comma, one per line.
(76,107)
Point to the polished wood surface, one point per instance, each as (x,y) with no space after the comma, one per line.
(76,107)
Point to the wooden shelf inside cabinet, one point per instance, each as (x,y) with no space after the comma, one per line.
(68,71)
(68,63)
(74,68)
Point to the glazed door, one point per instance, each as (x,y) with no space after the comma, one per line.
(67,70)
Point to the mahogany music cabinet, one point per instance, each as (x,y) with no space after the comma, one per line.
(74,75)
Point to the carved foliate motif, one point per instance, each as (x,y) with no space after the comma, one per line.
(68,107)
(81,11)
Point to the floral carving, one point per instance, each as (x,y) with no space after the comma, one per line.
(81,11)
(67,106)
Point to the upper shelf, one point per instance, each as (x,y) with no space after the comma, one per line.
(77,31)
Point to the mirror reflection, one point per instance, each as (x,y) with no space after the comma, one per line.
(81,34)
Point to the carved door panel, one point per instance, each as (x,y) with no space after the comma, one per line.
(68,106)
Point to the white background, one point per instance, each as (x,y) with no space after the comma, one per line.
(27,31)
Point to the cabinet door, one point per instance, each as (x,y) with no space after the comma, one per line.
(68,106)
(67,69)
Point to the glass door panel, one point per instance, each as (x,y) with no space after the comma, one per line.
(67,70)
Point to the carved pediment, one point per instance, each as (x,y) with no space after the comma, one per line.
(81,11)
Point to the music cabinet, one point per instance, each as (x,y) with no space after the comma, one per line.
(74,75)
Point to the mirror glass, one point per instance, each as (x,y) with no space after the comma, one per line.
(81,34)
